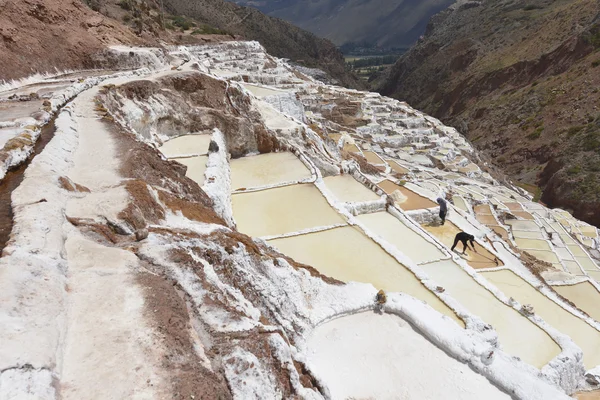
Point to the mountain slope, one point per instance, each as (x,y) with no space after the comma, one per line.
(521,81)
(40,35)
(280,38)
(382,23)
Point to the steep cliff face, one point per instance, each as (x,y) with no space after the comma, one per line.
(382,23)
(521,81)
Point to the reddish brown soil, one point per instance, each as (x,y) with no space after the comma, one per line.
(41,35)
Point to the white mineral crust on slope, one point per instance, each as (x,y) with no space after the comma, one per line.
(65,294)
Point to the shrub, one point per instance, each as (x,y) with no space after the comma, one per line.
(574,130)
(536,134)
(574,170)
(595,63)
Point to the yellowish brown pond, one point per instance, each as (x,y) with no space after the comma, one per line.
(405,239)
(582,334)
(282,210)
(516,332)
(347,189)
(196,166)
(584,295)
(186,145)
(348,255)
(267,169)
(413,200)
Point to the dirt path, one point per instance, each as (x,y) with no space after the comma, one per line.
(110,346)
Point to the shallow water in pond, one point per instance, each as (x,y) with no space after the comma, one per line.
(413,201)
(573,267)
(528,234)
(282,210)
(516,332)
(459,202)
(486,219)
(584,295)
(186,145)
(347,254)
(267,169)
(593,395)
(196,166)
(259,91)
(544,255)
(373,158)
(405,239)
(500,231)
(535,244)
(522,225)
(446,233)
(582,334)
(371,356)
(347,189)
(523,214)
(397,167)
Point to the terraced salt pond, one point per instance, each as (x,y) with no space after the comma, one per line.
(196,166)
(446,233)
(370,356)
(347,189)
(188,145)
(267,169)
(584,295)
(413,200)
(516,332)
(402,237)
(346,254)
(282,210)
(584,335)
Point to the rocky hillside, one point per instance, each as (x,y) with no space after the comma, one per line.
(40,35)
(521,80)
(381,23)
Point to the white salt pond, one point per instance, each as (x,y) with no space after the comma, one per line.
(282,210)
(516,332)
(196,166)
(267,169)
(582,334)
(348,255)
(347,189)
(371,356)
(188,145)
(260,91)
(405,239)
(584,295)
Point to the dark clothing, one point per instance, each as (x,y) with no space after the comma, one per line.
(443,209)
(464,238)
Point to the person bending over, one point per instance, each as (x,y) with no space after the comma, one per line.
(464,238)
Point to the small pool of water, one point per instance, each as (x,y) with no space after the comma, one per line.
(282,210)
(397,167)
(516,332)
(584,295)
(373,158)
(185,146)
(347,189)
(267,169)
(527,234)
(405,239)
(582,334)
(196,166)
(347,254)
(413,201)
(534,244)
(459,202)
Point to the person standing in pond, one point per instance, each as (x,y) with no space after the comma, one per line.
(464,238)
(443,209)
